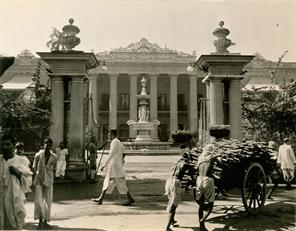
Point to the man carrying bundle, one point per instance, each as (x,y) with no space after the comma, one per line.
(173,184)
(205,188)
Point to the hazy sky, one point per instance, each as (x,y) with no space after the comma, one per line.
(268,27)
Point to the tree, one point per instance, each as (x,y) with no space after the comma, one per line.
(270,114)
(28,115)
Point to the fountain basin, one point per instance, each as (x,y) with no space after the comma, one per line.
(151,146)
(143,128)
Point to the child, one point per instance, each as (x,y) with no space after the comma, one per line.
(62,153)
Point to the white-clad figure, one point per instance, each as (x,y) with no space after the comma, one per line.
(62,153)
(115,174)
(286,160)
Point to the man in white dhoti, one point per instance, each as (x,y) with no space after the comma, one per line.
(286,160)
(13,185)
(205,188)
(115,174)
(62,154)
(44,165)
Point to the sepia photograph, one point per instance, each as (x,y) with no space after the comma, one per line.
(148,115)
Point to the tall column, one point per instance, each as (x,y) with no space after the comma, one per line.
(173,104)
(207,106)
(93,103)
(216,102)
(235,113)
(57,110)
(113,102)
(133,105)
(153,105)
(193,104)
(76,133)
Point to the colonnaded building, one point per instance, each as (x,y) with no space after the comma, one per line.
(177,97)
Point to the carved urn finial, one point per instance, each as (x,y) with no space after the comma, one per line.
(222,43)
(69,35)
(143,82)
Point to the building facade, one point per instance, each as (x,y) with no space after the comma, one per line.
(177,97)
(174,93)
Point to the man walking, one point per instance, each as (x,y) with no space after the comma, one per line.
(173,184)
(205,188)
(44,165)
(115,174)
(286,161)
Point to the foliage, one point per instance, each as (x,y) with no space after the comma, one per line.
(27,117)
(270,115)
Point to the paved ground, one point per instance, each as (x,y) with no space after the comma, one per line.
(73,210)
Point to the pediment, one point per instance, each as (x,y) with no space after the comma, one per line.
(144,46)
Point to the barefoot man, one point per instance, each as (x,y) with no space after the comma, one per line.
(205,188)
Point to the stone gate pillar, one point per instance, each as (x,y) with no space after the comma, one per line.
(72,65)
(224,67)
(66,63)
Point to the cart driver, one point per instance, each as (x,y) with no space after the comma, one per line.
(205,188)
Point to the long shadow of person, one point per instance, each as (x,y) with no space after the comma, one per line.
(34,226)
(275,216)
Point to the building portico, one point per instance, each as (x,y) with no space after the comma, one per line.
(174,93)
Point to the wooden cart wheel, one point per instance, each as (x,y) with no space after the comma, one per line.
(254,189)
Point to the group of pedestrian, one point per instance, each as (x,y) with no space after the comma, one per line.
(16,175)
(16,179)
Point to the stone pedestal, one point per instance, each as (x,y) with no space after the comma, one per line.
(221,69)
(72,65)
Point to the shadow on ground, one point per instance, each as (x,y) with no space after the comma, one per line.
(275,216)
(34,226)
(81,191)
